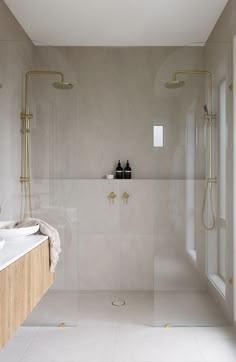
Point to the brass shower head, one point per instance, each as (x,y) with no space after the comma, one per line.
(62,85)
(174,84)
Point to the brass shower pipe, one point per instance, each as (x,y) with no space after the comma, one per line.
(210,117)
(26,116)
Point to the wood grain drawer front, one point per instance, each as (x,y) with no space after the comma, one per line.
(22,285)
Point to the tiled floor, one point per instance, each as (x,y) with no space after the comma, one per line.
(97,331)
(188,308)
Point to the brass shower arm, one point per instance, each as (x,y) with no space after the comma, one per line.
(197,72)
(46,72)
(50,72)
(206,72)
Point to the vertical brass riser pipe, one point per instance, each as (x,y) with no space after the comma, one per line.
(26,116)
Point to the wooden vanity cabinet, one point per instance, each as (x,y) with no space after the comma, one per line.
(22,285)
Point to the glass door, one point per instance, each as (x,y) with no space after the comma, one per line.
(191,275)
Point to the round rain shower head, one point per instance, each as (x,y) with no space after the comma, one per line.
(174,84)
(63,85)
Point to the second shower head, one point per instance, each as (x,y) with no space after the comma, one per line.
(174,84)
(62,85)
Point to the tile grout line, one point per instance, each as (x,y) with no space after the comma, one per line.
(20,359)
(115,339)
(200,349)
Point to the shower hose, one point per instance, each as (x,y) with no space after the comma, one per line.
(208,192)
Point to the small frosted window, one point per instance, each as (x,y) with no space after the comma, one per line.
(158,136)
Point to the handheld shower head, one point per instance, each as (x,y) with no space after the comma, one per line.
(174,84)
(62,85)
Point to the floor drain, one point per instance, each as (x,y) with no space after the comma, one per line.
(118,303)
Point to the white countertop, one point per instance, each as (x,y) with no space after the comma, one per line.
(14,250)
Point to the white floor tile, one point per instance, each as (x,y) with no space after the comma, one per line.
(138,308)
(141,349)
(18,344)
(218,349)
(88,343)
(103,333)
(187,308)
(54,308)
(206,333)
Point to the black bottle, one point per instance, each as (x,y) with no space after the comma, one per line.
(127,171)
(119,171)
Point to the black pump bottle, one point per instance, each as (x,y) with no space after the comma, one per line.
(119,171)
(127,171)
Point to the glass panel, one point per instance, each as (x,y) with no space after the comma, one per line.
(187,257)
(54,139)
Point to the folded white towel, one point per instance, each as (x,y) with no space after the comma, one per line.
(45,229)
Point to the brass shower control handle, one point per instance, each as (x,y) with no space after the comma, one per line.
(112,196)
(126,196)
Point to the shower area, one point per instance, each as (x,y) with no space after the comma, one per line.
(163,256)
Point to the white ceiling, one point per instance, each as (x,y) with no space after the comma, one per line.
(117,22)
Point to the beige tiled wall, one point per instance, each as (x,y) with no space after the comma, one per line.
(110,246)
(119,95)
(15,59)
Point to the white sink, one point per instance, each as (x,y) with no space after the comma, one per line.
(2,243)
(11,234)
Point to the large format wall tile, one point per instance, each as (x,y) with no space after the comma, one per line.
(112,246)
(173,268)
(170,206)
(15,59)
(98,213)
(137,260)
(98,262)
(64,193)
(119,95)
(136,215)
